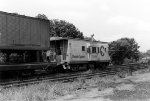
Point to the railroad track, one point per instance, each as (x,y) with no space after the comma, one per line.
(71,76)
(133,66)
(65,78)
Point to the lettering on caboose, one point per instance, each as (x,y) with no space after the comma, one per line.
(78,56)
(94,56)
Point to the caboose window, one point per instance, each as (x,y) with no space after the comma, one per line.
(98,49)
(83,48)
(93,49)
(105,49)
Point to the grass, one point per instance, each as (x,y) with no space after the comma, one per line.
(52,91)
(46,91)
(39,92)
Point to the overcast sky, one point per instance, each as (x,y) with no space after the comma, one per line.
(108,20)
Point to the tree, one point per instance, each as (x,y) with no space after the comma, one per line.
(124,48)
(62,28)
(148,52)
(42,16)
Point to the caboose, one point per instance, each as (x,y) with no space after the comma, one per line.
(76,54)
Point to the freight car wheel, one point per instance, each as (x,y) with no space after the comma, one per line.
(26,72)
(91,66)
(50,69)
(59,69)
(4,75)
(8,74)
(74,68)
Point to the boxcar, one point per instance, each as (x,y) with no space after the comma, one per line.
(23,42)
(23,33)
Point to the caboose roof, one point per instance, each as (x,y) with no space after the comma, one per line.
(58,38)
(66,38)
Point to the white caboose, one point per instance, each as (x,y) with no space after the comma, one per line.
(77,54)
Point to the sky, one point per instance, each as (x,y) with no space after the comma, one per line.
(108,20)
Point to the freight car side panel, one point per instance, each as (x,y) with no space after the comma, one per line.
(25,31)
(22,32)
(3,35)
(44,36)
(17,31)
(39,34)
(34,33)
(13,35)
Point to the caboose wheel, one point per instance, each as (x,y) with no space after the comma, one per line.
(74,68)
(26,72)
(91,66)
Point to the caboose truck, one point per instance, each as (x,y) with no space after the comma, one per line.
(77,54)
(23,43)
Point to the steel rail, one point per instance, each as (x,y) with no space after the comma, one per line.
(55,78)
(71,77)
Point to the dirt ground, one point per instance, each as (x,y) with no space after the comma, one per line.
(131,88)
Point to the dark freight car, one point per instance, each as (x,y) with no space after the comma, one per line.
(23,39)
(23,33)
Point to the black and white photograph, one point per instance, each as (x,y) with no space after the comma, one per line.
(74,50)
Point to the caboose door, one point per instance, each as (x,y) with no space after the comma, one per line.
(88,51)
(94,53)
(61,51)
